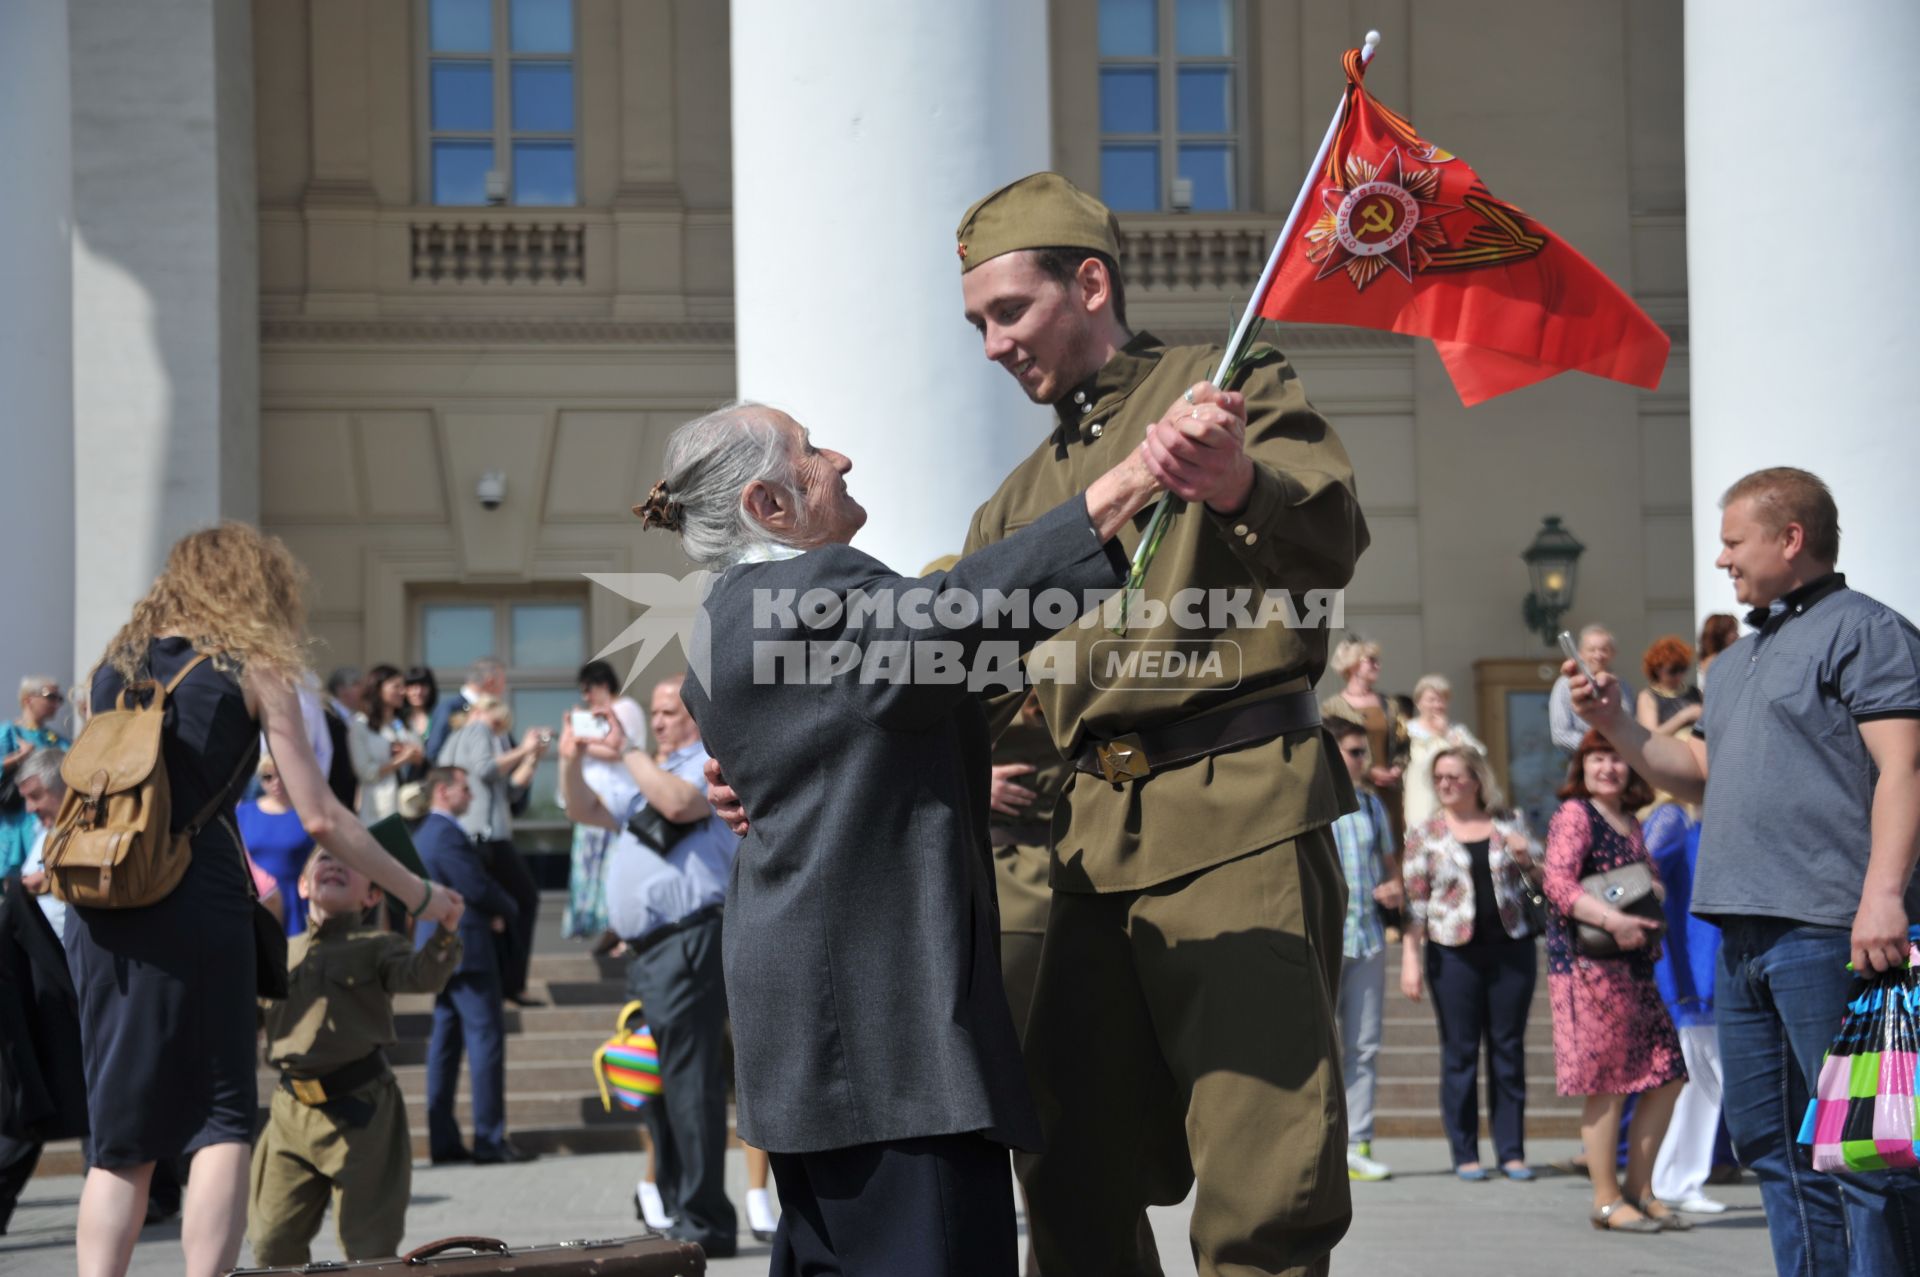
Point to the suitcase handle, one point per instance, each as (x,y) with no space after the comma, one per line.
(421,1254)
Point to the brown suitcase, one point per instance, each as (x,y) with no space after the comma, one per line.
(648,1255)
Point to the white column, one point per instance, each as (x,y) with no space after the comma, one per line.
(166,386)
(36,351)
(1801,277)
(861,133)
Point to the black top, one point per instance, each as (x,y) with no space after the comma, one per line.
(1487,927)
(1665,706)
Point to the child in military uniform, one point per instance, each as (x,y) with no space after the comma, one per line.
(338,1125)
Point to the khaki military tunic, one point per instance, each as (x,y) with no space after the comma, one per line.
(1020,856)
(1301,531)
(1182,1017)
(354,1149)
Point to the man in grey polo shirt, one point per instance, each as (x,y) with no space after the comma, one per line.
(1811,774)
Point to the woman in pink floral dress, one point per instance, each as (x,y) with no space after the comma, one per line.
(1611,1034)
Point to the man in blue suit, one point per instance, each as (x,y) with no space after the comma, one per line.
(467,1013)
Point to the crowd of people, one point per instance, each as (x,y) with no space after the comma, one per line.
(1105,944)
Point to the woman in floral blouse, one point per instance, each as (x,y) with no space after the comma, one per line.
(1612,1036)
(1464,871)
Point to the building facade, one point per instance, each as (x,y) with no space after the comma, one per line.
(346,266)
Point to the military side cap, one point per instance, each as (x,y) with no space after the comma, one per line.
(1043,210)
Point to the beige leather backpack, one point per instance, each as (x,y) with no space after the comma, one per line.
(112,845)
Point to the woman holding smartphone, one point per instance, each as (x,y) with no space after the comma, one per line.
(600,704)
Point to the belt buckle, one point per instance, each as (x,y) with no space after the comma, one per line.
(1122,758)
(308,1090)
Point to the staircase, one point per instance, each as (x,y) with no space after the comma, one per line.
(1408,1102)
(553,1104)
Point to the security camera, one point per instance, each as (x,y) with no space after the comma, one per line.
(491,490)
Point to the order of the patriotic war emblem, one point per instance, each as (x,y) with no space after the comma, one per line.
(1388,216)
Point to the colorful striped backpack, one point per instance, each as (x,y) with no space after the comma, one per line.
(627,1065)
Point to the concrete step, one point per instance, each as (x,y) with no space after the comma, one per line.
(530,1109)
(1543,1122)
(607,991)
(1422,1031)
(576,1045)
(1415,1093)
(417,1021)
(522,1075)
(1424,1062)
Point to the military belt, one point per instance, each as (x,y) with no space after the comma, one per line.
(1139,754)
(1028,835)
(342,1081)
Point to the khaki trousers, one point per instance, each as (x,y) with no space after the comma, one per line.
(308,1156)
(1186,1032)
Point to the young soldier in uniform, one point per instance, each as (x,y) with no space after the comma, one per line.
(338,1125)
(1183,1012)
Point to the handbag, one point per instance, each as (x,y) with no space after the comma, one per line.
(627,1065)
(269,934)
(656,831)
(1861,1116)
(1628,889)
(1533,902)
(11,803)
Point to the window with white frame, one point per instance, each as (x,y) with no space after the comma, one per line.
(500,102)
(1171,100)
(542,640)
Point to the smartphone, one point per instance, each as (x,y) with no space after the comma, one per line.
(588,725)
(1572,649)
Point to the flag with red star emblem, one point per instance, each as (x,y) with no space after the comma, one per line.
(1403,236)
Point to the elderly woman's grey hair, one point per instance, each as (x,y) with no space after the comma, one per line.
(710,462)
(43,765)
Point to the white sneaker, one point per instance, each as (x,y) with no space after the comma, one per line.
(762,1219)
(1363,1168)
(1699,1204)
(652,1209)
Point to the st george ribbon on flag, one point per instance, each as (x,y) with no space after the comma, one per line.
(1399,234)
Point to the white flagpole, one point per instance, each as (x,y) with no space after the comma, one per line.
(1163,509)
(1252,313)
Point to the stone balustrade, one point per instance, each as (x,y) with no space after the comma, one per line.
(1194,253)
(476,247)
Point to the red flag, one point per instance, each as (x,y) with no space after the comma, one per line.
(1401,235)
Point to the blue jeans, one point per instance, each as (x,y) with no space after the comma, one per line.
(1780,991)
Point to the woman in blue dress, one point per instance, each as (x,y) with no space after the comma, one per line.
(277,841)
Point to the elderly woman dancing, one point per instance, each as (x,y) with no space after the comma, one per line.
(876,1059)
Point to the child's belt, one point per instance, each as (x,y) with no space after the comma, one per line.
(341,1082)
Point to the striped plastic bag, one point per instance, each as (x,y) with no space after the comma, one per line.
(1861,1117)
(627,1065)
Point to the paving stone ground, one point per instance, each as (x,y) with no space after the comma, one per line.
(1422,1223)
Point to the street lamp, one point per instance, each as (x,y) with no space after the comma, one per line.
(1551,560)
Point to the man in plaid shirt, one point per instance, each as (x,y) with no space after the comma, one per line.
(1372,868)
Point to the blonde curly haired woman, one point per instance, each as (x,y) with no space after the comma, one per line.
(167,991)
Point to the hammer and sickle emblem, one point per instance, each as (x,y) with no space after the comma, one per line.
(1376,217)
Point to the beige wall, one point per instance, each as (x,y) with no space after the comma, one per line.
(384,395)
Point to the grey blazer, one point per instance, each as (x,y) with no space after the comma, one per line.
(861,930)
(490,815)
